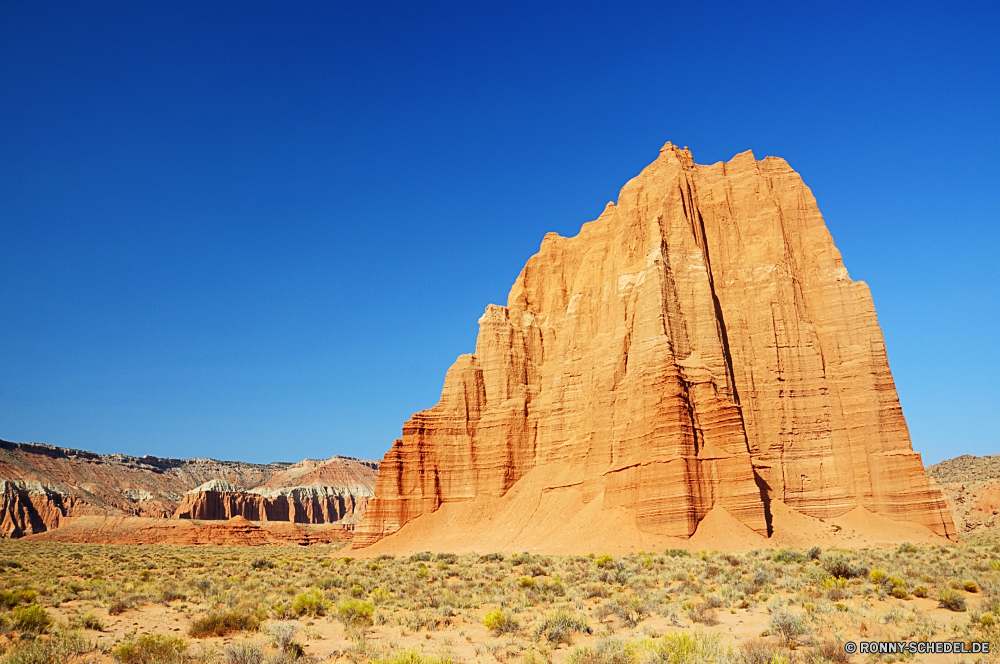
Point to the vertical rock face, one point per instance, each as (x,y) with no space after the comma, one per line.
(699,346)
(331,491)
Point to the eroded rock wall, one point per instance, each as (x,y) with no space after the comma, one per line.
(700,345)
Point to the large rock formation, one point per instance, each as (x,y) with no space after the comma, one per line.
(332,491)
(697,348)
(972,485)
(41,486)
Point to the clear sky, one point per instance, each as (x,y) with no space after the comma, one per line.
(264,231)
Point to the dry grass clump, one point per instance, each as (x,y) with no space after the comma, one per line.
(223,624)
(152,649)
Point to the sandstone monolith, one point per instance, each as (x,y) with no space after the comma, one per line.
(699,347)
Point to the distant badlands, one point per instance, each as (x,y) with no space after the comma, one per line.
(694,369)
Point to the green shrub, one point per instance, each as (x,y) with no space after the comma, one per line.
(970,586)
(57,650)
(608,650)
(423,556)
(309,603)
(788,556)
(559,626)
(677,553)
(411,656)
(501,621)
(526,582)
(920,591)
(380,596)
(11,598)
(355,613)
(842,568)
(151,649)
(221,624)
(262,563)
(814,553)
(31,618)
(951,599)
(878,576)
(631,610)
(604,561)
(89,621)
(683,648)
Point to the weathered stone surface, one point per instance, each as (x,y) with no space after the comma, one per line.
(699,346)
(340,495)
(972,485)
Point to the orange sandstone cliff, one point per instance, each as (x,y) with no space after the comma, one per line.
(697,351)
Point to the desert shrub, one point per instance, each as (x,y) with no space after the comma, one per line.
(449,558)
(814,553)
(899,592)
(604,561)
(559,626)
(11,598)
(951,599)
(630,610)
(89,621)
(119,605)
(970,586)
(526,582)
(355,613)
(309,603)
(411,656)
(56,650)
(906,547)
(677,553)
(684,648)
(878,576)
(520,559)
(423,556)
(11,564)
(244,652)
(282,634)
(786,624)
(264,563)
(920,591)
(842,568)
(169,592)
(788,556)
(31,618)
(151,649)
(491,558)
(221,624)
(608,650)
(501,621)
(380,596)
(830,652)
(759,651)
(357,591)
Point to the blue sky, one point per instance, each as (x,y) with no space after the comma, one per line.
(263,231)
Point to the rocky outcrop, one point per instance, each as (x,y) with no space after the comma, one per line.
(698,347)
(41,485)
(297,504)
(972,485)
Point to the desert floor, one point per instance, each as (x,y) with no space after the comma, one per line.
(246,605)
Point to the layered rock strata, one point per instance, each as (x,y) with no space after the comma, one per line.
(42,485)
(296,504)
(698,347)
